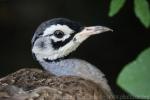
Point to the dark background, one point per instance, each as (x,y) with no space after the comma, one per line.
(108,51)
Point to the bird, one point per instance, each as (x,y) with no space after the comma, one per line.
(54,40)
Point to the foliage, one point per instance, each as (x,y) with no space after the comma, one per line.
(115,6)
(135,77)
(141,9)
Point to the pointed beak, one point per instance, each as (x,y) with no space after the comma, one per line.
(89,31)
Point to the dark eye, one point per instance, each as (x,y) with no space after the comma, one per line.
(58,34)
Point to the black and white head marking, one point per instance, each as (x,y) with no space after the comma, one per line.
(51,37)
(56,38)
(76,27)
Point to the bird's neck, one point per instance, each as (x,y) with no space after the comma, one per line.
(76,67)
(59,67)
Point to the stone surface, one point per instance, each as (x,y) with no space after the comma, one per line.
(35,84)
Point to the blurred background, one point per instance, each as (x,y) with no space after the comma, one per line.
(110,52)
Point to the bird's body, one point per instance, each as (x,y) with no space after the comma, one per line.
(76,67)
(56,39)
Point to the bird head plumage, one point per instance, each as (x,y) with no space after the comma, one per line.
(58,37)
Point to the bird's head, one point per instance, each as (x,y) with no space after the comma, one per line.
(57,38)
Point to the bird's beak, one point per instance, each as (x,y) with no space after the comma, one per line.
(89,31)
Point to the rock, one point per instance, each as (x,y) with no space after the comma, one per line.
(35,84)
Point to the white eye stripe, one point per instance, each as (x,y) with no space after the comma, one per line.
(50,30)
(60,39)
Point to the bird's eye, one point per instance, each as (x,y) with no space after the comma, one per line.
(58,34)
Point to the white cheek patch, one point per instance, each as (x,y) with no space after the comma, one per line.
(45,49)
(50,30)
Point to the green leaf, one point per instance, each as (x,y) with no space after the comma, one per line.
(115,6)
(142,11)
(135,77)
